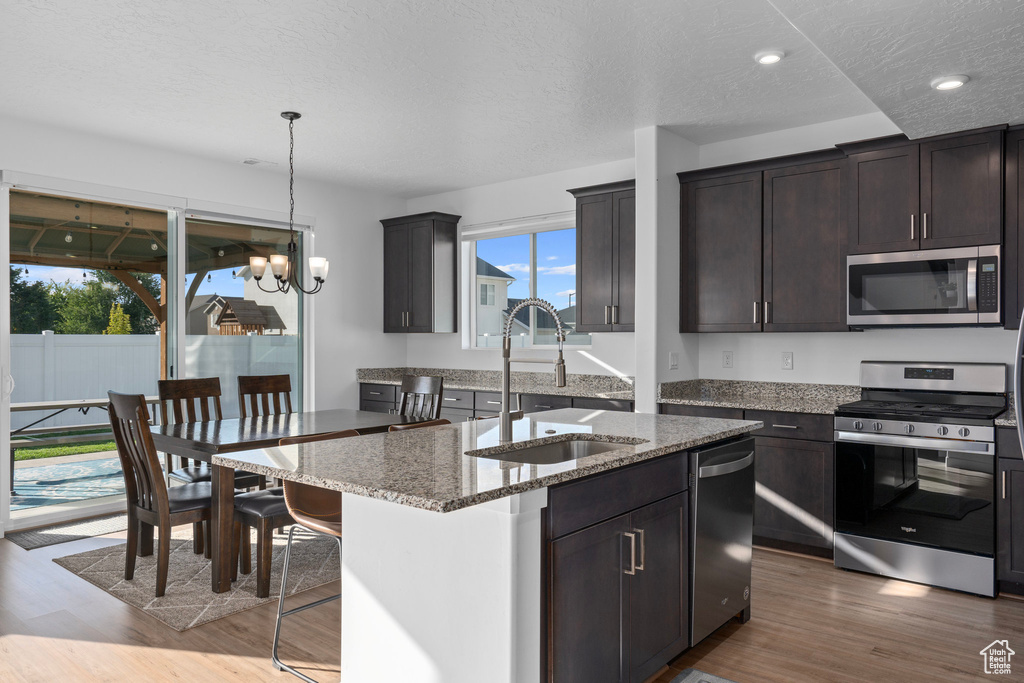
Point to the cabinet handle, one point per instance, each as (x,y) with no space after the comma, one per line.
(924,226)
(911,226)
(374,393)
(767,319)
(757,307)
(450,399)
(494,403)
(785,427)
(542,406)
(643,549)
(615,315)
(1004,484)
(607,315)
(632,553)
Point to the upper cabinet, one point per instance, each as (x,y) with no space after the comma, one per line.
(1013,255)
(605,257)
(941,193)
(420,255)
(764,250)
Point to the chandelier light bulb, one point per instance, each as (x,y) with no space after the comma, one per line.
(278,265)
(258,266)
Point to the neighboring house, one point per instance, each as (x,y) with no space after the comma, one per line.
(545,323)
(197,320)
(240,316)
(491,298)
(286,306)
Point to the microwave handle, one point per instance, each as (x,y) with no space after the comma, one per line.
(972,284)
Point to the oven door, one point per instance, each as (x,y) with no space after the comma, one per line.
(931,492)
(935,287)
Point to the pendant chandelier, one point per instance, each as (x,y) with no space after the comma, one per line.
(286,268)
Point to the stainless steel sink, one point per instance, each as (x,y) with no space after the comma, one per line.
(552,453)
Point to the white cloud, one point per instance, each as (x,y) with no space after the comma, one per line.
(552,258)
(559,270)
(516,268)
(57,274)
(567,292)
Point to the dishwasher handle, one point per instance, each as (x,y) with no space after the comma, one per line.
(726,467)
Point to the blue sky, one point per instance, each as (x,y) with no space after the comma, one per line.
(556,264)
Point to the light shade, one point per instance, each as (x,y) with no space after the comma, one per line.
(950,82)
(769,56)
(279,265)
(318,267)
(258,266)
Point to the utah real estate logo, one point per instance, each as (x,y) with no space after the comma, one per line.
(997,657)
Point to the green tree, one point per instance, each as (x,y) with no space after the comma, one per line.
(119,321)
(85,309)
(31,308)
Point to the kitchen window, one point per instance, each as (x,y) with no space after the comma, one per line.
(508,268)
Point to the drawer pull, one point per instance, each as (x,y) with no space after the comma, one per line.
(374,393)
(785,427)
(542,406)
(451,399)
(494,403)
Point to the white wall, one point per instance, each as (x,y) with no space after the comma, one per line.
(534,196)
(348,315)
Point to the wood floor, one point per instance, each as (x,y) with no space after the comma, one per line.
(810,622)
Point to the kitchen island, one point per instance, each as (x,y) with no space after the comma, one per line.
(443,570)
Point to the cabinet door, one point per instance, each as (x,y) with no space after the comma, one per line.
(1013,257)
(804,249)
(883,200)
(1010,523)
(659,591)
(421,277)
(587,617)
(396,277)
(624,274)
(721,244)
(595,248)
(794,491)
(961,191)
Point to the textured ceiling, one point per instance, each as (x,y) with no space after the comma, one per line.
(412,96)
(892,50)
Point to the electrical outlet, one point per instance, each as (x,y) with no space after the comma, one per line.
(726,359)
(787,360)
(673,360)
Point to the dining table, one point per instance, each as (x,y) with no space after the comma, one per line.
(203,440)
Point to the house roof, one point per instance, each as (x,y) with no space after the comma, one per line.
(487,270)
(235,309)
(544,319)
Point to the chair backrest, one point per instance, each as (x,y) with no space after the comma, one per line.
(143,479)
(417,425)
(421,397)
(189,400)
(308,500)
(271,393)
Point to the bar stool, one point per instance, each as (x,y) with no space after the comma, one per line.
(421,396)
(314,509)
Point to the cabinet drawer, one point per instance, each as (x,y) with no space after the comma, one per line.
(376,406)
(578,504)
(490,401)
(701,411)
(793,425)
(457,398)
(456,414)
(533,403)
(378,392)
(602,404)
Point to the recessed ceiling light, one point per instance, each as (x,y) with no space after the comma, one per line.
(769,56)
(950,82)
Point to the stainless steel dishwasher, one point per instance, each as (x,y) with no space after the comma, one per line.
(722,510)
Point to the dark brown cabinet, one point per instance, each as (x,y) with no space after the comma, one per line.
(1009,512)
(765,251)
(618,578)
(420,254)
(941,193)
(1013,255)
(605,257)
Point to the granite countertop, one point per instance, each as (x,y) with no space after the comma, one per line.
(582,386)
(818,399)
(428,468)
(1007,419)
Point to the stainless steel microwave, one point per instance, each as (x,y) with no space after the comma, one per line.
(932,287)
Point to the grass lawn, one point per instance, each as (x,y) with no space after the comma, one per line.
(65,449)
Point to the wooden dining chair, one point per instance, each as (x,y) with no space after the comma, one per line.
(417,425)
(151,504)
(421,397)
(196,400)
(314,509)
(264,394)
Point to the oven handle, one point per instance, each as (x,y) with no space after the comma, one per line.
(980,447)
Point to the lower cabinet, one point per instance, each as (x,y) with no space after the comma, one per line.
(618,589)
(1009,512)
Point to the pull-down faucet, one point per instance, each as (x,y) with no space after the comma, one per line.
(506,417)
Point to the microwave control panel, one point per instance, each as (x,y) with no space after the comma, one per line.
(988,284)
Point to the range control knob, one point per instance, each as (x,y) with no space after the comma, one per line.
(858,425)
(908,428)
(964,431)
(943,431)
(877,426)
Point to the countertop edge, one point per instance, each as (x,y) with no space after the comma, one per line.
(754,403)
(540,391)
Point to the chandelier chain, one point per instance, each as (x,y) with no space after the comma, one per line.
(291,175)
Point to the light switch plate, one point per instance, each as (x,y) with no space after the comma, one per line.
(726,359)
(673,360)
(787,360)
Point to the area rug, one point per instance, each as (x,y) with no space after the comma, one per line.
(65,533)
(188,601)
(66,482)
(695,676)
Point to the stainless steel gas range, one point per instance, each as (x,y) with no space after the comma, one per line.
(915,473)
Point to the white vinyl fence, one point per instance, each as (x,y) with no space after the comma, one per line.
(49,367)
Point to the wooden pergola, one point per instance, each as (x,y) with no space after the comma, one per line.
(122,240)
